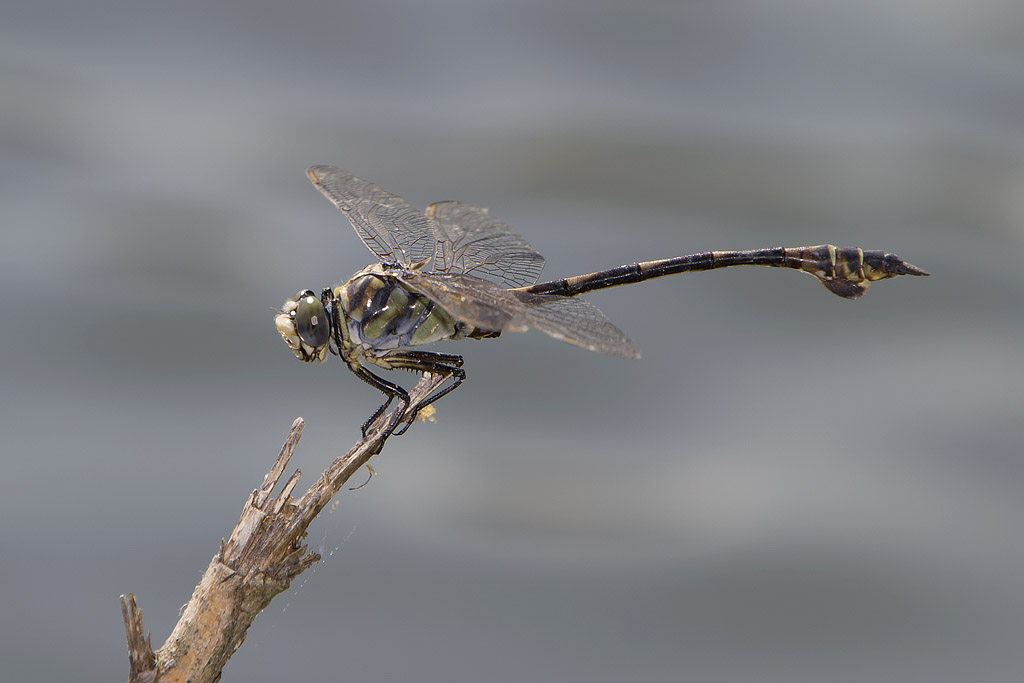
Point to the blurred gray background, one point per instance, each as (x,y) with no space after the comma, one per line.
(787,487)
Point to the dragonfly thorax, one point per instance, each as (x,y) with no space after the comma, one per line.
(382,314)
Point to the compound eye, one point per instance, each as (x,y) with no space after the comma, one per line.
(311,321)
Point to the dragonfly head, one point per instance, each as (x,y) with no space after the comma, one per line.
(305,326)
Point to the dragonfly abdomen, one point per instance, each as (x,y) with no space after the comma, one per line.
(845,271)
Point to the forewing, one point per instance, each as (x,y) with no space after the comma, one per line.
(389,226)
(472,300)
(577,321)
(489,306)
(472,241)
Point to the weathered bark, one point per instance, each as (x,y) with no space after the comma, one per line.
(258,561)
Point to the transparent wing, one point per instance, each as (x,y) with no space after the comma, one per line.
(577,321)
(472,300)
(489,306)
(472,241)
(390,227)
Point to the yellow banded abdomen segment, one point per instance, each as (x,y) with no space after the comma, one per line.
(840,269)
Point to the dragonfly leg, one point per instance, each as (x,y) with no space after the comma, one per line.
(434,363)
(390,389)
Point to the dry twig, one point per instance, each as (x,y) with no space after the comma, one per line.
(257,562)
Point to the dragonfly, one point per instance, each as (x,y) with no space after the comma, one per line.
(457,272)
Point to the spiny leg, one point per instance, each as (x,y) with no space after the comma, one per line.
(419,361)
(434,363)
(389,389)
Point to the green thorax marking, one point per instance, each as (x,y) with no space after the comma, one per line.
(383,314)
